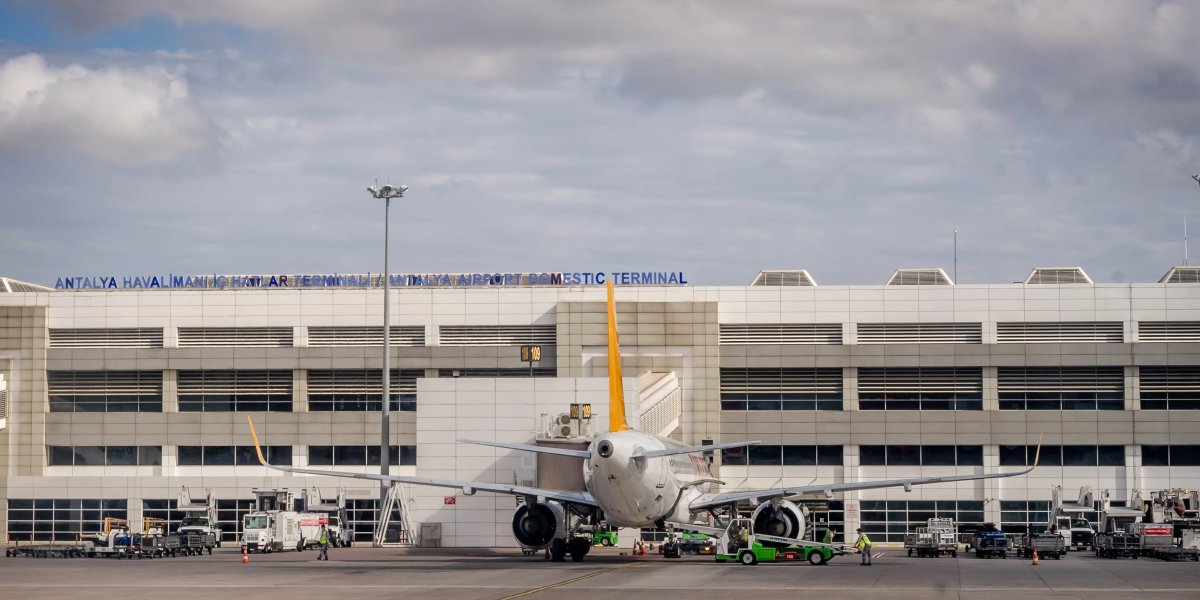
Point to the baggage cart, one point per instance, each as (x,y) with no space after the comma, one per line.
(1046,546)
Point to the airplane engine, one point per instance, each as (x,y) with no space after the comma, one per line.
(784,519)
(536,525)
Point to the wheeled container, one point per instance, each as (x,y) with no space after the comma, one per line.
(1046,546)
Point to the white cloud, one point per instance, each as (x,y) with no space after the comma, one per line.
(126,117)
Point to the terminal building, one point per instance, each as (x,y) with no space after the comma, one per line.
(115,394)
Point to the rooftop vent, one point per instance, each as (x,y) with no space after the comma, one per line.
(1181,275)
(919,277)
(1057,275)
(781,278)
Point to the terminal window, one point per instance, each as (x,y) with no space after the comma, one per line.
(61,520)
(781,389)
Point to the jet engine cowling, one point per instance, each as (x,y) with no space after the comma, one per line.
(536,525)
(781,518)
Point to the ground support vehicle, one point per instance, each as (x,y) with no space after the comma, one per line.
(604,538)
(273,526)
(337,519)
(199,525)
(1046,545)
(991,542)
(1067,518)
(762,548)
(697,543)
(1117,544)
(310,529)
(937,538)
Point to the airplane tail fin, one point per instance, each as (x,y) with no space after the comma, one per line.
(616,393)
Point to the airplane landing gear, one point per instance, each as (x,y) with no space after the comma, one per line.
(578,547)
(558,550)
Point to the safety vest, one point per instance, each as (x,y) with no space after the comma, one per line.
(324,537)
(828,536)
(863,541)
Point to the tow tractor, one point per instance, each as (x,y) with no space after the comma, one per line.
(775,548)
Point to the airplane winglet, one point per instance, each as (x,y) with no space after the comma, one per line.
(257,448)
(1038,454)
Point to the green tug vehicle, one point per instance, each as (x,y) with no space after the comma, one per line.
(756,548)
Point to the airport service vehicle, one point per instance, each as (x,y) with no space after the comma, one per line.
(198,530)
(604,538)
(273,526)
(697,543)
(336,515)
(1067,518)
(990,542)
(1114,536)
(1178,510)
(635,479)
(768,548)
(1047,545)
(938,537)
(310,529)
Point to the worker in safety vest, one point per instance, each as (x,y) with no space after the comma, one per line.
(863,543)
(828,536)
(323,544)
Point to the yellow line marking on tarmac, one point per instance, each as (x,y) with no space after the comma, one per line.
(572,580)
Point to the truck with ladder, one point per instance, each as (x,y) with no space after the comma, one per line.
(739,544)
(1171,524)
(1068,520)
(1115,537)
(198,531)
(335,515)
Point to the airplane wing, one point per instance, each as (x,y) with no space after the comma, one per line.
(467,487)
(829,489)
(533,448)
(691,449)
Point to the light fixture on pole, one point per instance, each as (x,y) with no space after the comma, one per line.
(386,193)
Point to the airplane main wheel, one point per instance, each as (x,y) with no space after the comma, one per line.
(748,558)
(558,550)
(578,548)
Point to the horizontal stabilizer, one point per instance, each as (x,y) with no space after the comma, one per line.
(533,448)
(691,449)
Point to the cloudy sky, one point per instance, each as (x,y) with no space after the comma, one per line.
(711,137)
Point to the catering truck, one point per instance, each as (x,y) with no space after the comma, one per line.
(274,525)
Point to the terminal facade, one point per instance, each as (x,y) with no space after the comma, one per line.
(115,398)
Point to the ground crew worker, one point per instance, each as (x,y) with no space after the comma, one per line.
(744,538)
(829,536)
(323,544)
(863,543)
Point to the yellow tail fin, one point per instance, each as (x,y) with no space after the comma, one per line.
(616,393)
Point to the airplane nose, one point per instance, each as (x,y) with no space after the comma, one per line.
(604,449)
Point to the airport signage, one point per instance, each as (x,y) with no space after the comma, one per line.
(368,280)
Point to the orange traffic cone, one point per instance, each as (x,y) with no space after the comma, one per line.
(245,556)
(1035,559)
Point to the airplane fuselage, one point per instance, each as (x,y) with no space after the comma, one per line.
(639,492)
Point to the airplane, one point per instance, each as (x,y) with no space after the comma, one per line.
(635,479)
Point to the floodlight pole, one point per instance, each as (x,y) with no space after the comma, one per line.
(386,193)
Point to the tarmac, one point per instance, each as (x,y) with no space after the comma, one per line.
(454,574)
